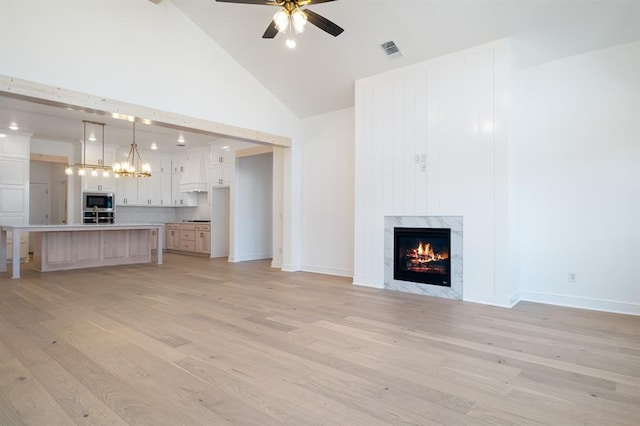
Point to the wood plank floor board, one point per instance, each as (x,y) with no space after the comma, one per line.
(205,341)
(24,398)
(272,390)
(78,402)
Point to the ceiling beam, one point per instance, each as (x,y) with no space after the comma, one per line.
(65,98)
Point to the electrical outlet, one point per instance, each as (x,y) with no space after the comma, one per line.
(573,277)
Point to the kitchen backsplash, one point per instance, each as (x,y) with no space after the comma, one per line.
(126,214)
(145,214)
(201,212)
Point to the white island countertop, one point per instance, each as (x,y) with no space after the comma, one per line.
(17,229)
(81,227)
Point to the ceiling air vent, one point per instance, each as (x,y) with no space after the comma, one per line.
(390,49)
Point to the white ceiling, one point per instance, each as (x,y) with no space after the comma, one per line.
(319,75)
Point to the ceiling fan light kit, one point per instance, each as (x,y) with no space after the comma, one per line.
(291,16)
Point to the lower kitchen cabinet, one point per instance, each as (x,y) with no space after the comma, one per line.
(203,239)
(188,238)
(172,237)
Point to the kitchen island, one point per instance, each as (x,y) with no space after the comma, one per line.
(62,247)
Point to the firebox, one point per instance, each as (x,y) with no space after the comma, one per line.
(421,255)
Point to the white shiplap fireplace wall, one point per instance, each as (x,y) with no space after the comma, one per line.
(431,140)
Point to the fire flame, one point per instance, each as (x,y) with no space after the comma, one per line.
(424,253)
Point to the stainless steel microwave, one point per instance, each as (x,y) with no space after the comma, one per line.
(102,201)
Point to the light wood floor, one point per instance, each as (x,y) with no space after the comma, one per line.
(204,342)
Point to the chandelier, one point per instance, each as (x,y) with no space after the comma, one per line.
(83,167)
(133,165)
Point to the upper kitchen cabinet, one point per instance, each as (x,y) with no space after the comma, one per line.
(152,191)
(165,182)
(149,187)
(94,180)
(126,191)
(222,165)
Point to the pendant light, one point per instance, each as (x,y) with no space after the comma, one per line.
(133,166)
(82,168)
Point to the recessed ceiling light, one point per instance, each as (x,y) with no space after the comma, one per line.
(291,43)
(181,139)
(92,138)
(2,135)
(154,146)
(14,126)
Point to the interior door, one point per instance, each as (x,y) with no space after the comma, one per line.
(39,203)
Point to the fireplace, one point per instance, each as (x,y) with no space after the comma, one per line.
(422,255)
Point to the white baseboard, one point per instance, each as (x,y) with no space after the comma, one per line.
(514,299)
(276,264)
(582,302)
(340,272)
(368,285)
(286,267)
(248,257)
(501,302)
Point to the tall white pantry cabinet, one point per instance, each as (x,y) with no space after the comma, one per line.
(14,184)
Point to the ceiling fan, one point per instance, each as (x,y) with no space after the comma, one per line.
(291,16)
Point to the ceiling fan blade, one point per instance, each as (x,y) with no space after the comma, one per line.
(271,31)
(308,2)
(323,23)
(265,2)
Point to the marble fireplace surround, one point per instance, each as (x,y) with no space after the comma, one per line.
(452,222)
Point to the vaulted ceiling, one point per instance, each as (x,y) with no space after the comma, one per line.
(318,75)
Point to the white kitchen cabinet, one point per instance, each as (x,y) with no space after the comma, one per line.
(165,181)
(179,198)
(149,187)
(94,156)
(222,166)
(14,186)
(14,178)
(152,191)
(126,191)
(221,174)
(165,189)
(222,154)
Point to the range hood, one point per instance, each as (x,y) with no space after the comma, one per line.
(194,175)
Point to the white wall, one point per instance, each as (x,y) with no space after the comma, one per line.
(431,139)
(327,193)
(253,195)
(577,151)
